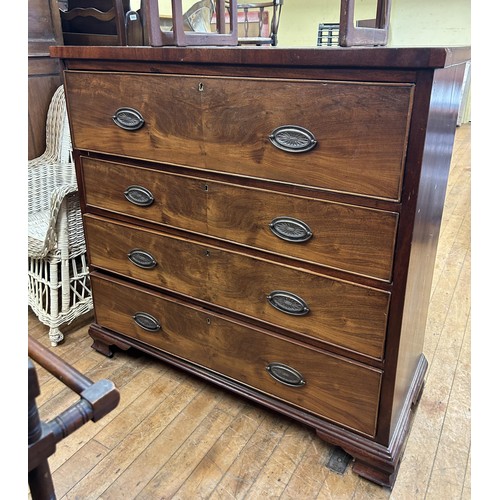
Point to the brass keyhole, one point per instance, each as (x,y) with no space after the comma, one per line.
(200,87)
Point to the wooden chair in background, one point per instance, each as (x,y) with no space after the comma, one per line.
(206,22)
(365,32)
(350,32)
(254,27)
(182,32)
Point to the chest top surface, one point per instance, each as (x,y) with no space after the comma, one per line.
(333,57)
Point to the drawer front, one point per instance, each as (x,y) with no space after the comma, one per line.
(146,194)
(354,239)
(341,136)
(337,312)
(329,386)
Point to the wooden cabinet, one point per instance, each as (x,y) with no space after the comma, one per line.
(267,219)
(44,73)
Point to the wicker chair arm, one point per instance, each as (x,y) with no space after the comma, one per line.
(58,274)
(43,179)
(57,197)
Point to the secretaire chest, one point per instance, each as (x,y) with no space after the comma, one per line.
(267,219)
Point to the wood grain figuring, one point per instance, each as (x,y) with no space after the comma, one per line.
(361,129)
(341,313)
(122,455)
(178,201)
(369,172)
(346,237)
(336,389)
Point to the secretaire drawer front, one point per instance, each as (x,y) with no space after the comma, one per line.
(355,239)
(339,136)
(353,133)
(139,116)
(326,385)
(336,312)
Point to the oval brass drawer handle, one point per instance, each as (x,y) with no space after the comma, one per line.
(285,374)
(290,229)
(128,119)
(288,303)
(141,258)
(147,322)
(139,195)
(293,139)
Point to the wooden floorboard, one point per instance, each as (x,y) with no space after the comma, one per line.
(175,436)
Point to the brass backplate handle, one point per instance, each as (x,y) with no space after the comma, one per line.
(288,303)
(293,139)
(147,322)
(128,119)
(286,374)
(141,258)
(290,229)
(139,195)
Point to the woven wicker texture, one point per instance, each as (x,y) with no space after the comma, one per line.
(58,281)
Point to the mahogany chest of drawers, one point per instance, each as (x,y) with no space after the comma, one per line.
(267,219)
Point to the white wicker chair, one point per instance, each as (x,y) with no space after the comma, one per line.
(58,281)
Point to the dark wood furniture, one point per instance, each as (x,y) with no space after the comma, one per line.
(267,219)
(364,32)
(97,399)
(44,72)
(94,22)
(182,33)
(254,27)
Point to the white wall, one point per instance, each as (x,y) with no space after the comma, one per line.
(430,22)
(413,22)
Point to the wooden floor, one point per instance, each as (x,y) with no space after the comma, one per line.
(174,436)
